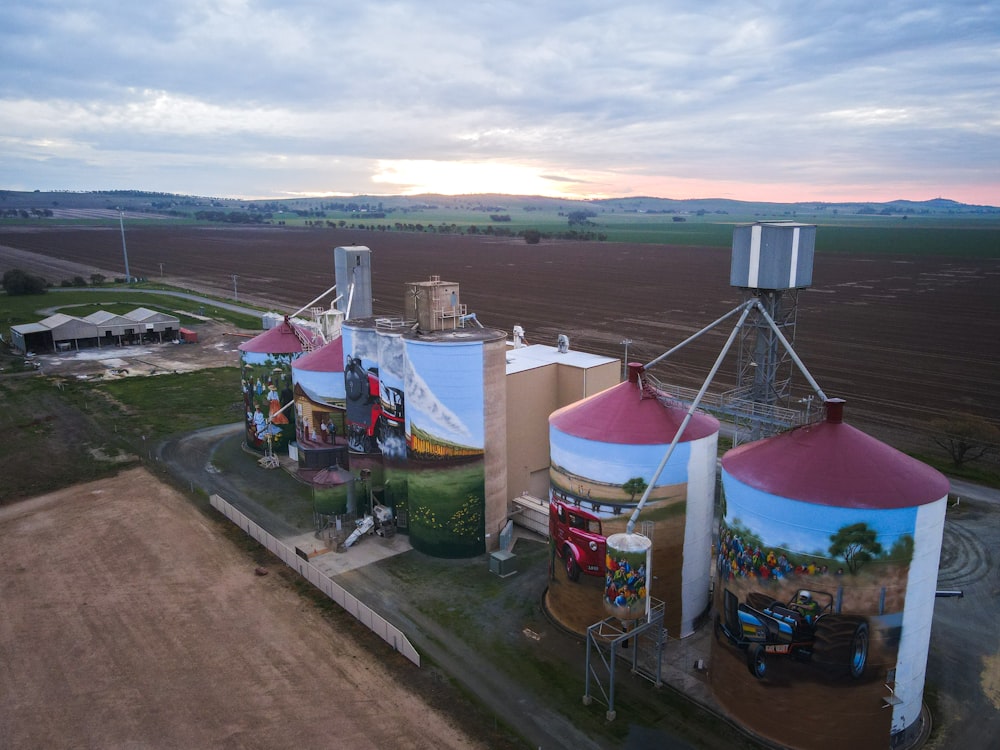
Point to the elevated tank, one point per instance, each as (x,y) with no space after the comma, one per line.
(265,365)
(827,564)
(627,564)
(604,450)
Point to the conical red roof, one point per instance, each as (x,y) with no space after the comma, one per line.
(832,463)
(328,358)
(624,414)
(279,340)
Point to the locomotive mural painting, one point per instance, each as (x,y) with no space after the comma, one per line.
(416,405)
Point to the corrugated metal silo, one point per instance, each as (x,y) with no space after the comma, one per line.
(320,402)
(598,446)
(827,570)
(265,364)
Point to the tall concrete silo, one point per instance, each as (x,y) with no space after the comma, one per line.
(361,384)
(456,439)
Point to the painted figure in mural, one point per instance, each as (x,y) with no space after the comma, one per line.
(259,423)
(808,606)
(274,406)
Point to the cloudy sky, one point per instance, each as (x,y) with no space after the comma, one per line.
(753,100)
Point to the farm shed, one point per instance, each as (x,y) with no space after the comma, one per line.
(150,322)
(111,327)
(54,333)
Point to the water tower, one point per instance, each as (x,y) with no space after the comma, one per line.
(771,261)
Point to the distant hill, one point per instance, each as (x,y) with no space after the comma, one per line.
(169,204)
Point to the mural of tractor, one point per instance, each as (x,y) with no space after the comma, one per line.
(806,628)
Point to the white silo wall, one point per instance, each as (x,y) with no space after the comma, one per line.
(921,587)
(696,569)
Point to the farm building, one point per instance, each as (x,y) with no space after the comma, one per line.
(62,332)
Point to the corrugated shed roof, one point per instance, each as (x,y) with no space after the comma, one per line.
(103,316)
(832,463)
(59,319)
(623,414)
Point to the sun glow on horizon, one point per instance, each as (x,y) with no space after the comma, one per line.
(419,176)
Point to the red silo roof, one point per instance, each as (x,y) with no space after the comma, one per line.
(328,358)
(624,414)
(832,463)
(279,340)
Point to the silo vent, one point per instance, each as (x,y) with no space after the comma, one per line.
(835,410)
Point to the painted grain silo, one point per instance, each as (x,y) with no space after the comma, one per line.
(456,439)
(604,450)
(320,405)
(827,563)
(265,363)
(361,384)
(391,432)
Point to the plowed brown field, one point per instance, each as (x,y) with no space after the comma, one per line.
(902,339)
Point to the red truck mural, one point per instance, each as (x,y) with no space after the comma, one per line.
(578,538)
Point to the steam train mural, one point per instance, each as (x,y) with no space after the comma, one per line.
(415,410)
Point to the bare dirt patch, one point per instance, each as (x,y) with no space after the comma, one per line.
(124,613)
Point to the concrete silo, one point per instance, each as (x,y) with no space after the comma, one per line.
(604,449)
(455,407)
(827,569)
(361,384)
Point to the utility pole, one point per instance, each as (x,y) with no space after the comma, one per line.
(121,222)
(236,296)
(626,342)
(161,270)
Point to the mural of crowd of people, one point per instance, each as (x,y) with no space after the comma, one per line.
(625,583)
(267,393)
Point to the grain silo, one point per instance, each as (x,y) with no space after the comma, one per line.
(456,439)
(265,364)
(604,450)
(320,405)
(827,568)
(361,384)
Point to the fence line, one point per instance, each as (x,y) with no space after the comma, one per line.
(334,591)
